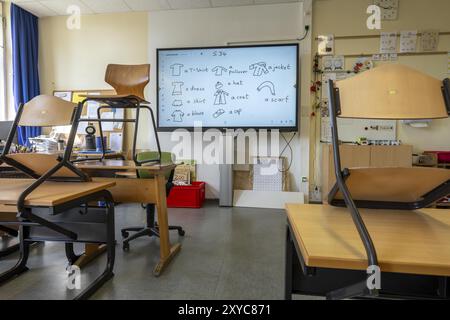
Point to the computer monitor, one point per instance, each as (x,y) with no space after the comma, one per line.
(5,128)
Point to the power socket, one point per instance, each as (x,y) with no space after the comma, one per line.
(316,195)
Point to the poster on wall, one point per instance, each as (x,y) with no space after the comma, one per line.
(388,42)
(326,45)
(430,40)
(408,41)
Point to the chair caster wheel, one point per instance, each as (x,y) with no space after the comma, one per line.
(181,233)
(126,247)
(125,234)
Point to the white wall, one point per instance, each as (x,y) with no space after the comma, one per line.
(77,59)
(216,27)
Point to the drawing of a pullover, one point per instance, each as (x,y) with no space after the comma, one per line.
(259,69)
(219,70)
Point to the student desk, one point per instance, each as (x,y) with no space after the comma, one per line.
(325,252)
(135,191)
(49,194)
(52,199)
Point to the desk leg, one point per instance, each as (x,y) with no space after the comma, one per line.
(167,252)
(288,266)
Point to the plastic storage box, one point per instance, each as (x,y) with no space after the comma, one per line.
(443,156)
(187,196)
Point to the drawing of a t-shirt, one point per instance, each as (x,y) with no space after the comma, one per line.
(219,70)
(176,69)
(177,116)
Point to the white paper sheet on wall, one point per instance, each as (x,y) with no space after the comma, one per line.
(388,42)
(82,125)
(116,141)
(430,40)
(408,41)
(326,77)
(92,107)
(118,114)
(65,95)
(325,129)
(326,45)
(108,126)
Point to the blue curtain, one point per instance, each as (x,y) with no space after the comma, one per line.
(25,38)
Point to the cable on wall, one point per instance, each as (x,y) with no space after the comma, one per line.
(287,146)
(306,32)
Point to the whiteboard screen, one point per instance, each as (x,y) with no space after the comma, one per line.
(228,87)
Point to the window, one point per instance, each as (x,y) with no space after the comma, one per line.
(3,103)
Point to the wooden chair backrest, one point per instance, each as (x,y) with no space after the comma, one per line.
(394,184)
(128,79)
(47,111)
(392,91)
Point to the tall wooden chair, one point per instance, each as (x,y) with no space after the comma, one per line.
(387,92)
(129,82)
(53,205)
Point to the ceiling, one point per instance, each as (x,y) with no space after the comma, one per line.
(46,8)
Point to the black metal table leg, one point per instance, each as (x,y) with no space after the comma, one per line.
(288,266)
(21,265)
(111,251)
(72,257)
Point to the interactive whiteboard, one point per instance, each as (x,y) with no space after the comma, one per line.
(228,87)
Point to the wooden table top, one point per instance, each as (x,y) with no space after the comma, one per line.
(49,193)
(413,242)
(123,165)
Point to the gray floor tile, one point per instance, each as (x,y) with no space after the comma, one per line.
(227,253)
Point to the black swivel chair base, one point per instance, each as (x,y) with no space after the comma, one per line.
(150,230)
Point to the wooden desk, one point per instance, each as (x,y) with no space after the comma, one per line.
(48,194)
(124,165)
(407,242)
(136,191)
(84,155)
(60,197)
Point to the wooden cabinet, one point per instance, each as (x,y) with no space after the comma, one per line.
(353,156)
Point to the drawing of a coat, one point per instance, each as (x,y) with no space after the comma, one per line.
(220,97)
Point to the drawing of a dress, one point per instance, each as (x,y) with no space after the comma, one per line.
(220,95)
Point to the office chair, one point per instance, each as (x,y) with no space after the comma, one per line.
(151,228)
(387,92)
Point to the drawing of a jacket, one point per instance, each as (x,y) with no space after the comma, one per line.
(259,69)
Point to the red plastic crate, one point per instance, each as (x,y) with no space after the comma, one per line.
(443,156)
(187,196)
